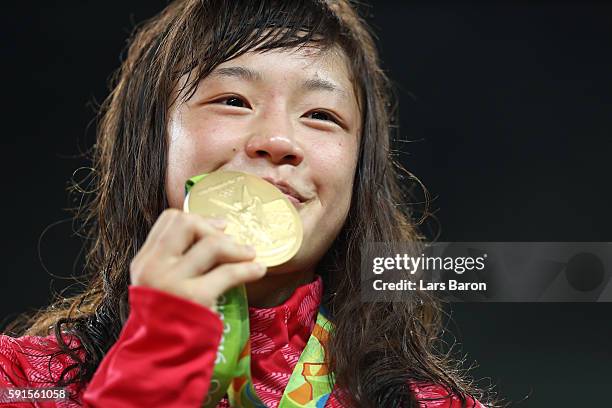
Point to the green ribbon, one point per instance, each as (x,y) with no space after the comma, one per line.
(310,383)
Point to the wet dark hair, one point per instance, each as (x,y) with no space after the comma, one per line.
(376,348)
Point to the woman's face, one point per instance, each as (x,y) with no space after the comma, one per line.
(289,116)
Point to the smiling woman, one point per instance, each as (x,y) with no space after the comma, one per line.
(270,114)
(292,92)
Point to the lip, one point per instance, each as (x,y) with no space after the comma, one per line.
(291,193)
(293,200)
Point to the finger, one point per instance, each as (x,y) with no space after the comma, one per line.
(158,226)
(167,217)
(219,223)
(211,251)
(226,276)
(180,232)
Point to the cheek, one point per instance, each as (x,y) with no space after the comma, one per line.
(333,165)
(193,148)
(190,139)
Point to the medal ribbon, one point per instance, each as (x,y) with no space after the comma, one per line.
(309,385)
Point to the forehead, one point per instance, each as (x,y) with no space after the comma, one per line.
(306,58)
(319,68)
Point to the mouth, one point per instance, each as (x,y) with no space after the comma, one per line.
(297,203)
(291,193)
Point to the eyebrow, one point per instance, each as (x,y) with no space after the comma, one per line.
(237,73)
(318,84)
(247,74)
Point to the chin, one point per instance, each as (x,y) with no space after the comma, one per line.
(295,264)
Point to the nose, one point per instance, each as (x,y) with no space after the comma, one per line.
(276,145)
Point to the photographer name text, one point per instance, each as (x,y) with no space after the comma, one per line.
(451,285)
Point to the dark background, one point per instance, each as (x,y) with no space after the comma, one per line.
(510,110)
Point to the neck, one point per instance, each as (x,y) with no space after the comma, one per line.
(275,288)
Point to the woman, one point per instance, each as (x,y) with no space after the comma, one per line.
(291,91)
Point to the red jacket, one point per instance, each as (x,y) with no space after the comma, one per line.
(165,354)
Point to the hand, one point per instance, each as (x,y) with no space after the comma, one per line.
(190,256)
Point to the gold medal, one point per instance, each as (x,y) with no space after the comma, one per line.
(257,213)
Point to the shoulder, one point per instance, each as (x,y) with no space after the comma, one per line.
(35,360)
(431,395)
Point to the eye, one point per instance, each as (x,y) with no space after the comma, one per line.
(321,115)
(233,101)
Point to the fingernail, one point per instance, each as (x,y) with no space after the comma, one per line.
(218,222)
(259,267)
(250,249)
